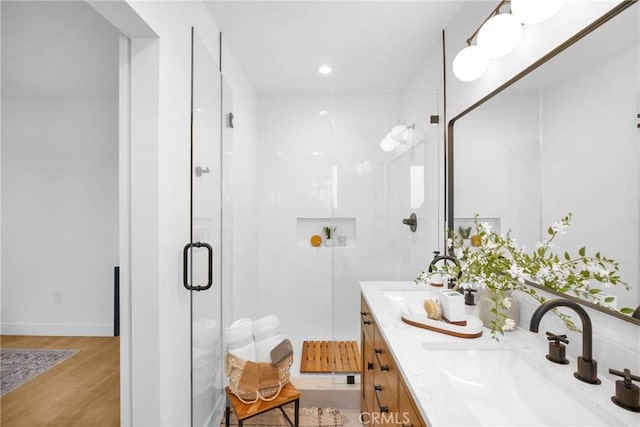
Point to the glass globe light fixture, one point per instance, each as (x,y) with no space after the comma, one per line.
(388,144)
(397,131)
(532,12)
(398,135)
(500,35)
(470,63)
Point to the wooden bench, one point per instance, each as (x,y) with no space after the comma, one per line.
(330,357)
(243,411)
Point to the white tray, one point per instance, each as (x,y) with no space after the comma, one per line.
(473,328)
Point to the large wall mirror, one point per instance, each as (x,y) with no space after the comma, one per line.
(562,136)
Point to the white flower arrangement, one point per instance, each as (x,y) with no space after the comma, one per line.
(501,266)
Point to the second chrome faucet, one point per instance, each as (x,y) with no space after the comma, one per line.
(587,367)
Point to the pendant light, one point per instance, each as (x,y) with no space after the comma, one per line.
(500,35)
(532,12)
(470,63)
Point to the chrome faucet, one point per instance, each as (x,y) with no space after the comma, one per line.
(587,367)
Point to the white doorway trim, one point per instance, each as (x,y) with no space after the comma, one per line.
(124,196)
(138,199)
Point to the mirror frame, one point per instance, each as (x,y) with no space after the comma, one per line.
(449,161)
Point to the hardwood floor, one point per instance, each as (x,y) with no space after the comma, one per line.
(83,390)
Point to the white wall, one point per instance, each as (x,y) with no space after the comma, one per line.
(59,170)
(1,95)
(60,216)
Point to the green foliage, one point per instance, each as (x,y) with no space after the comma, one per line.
(464,232)
(328,231)
(502,266)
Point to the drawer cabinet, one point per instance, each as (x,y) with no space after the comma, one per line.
(385,400)
(406,408)
(367,358)
(384,366)
(385,411)
(366,319)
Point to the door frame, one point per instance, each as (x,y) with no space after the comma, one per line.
(138,115)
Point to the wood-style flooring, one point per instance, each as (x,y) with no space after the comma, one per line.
(83,390)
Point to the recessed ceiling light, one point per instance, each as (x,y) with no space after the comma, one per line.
(324,69)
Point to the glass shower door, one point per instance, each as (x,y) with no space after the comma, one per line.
(203,254)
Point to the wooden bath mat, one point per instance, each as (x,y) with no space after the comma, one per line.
(329,357)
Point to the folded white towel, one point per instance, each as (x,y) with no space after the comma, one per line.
(239,338)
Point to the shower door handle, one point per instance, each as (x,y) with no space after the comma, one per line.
(185,266)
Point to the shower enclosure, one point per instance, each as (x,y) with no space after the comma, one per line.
(321,165)
(206,270)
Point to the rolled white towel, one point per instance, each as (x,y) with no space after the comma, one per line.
(265,327)
(266,333)
(263,348)
(239,330)
(239,338)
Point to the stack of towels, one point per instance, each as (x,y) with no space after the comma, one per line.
(265,350)
(255,340)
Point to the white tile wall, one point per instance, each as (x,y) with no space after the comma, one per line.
(496,165)
(315,292)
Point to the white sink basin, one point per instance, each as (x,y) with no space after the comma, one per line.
(407,296)
(502,386)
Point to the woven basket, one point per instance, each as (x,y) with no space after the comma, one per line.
(233,370)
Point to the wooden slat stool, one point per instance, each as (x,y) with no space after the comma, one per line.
(243,411)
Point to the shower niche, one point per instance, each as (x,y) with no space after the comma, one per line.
(343,232)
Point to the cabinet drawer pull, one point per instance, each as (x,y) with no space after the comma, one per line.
(382,367)
(384,408)
(363,314)
(369,366)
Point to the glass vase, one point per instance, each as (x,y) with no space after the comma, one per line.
(486,304)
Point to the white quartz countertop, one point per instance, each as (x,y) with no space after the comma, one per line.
(446,402)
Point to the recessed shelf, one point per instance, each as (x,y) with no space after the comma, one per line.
(345,234)
(493,222)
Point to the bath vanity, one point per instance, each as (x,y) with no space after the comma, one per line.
(417,377)
(384,396)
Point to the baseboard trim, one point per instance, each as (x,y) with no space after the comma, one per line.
(58,329)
